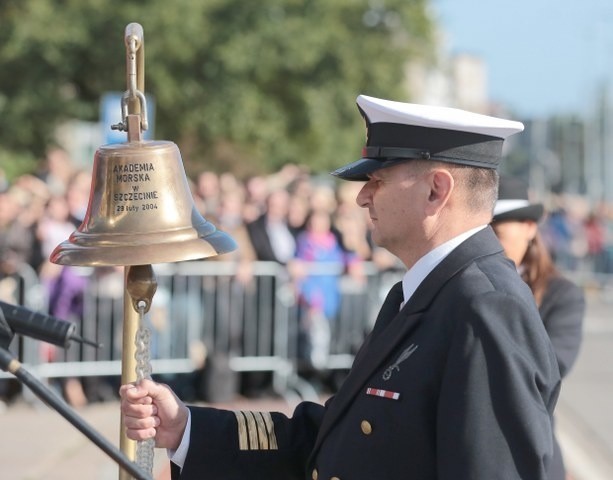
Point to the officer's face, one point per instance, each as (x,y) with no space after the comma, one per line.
(394,199)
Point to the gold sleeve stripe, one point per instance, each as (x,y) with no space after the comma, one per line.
(243,443)
(262,435)
(252,429)
(256,431)
(270,427)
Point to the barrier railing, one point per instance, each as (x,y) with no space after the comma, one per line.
(203,308)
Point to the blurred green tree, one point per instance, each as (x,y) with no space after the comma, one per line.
(241,86)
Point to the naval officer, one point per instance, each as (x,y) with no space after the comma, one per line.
(457,379)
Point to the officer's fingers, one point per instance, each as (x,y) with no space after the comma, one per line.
(139,434)
(124,388)
(141,428)
(146,423)
(137,410)
(142,392)
(132,392)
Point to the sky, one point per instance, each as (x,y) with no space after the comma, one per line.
(543,57)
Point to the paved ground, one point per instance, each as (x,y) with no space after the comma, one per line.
(585,409)
(38,444)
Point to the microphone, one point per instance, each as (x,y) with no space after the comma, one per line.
(41,326)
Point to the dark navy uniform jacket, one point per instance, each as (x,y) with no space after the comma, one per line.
(459,385)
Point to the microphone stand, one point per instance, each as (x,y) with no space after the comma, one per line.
(8,363)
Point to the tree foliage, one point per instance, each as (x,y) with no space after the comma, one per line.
(246,86)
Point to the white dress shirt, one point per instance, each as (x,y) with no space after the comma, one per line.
(416,274)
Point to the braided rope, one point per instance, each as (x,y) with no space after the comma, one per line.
(145,448)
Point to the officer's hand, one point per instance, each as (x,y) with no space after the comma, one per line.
(152,410)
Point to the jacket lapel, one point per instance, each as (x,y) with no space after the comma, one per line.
(380,344)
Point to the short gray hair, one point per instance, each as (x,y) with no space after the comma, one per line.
(478,185)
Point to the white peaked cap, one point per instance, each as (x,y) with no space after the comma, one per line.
(388,111)
(397,132)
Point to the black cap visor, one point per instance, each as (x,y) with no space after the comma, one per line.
(378,157)
(360,169)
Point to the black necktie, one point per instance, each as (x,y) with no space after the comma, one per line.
(389,309)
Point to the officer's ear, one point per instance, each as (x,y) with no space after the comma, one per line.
(441,183)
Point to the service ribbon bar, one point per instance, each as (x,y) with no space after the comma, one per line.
(378,392)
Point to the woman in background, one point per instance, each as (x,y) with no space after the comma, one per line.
(319,293)
(561,303)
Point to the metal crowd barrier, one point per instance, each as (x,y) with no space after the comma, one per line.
(22,287)
(201,309)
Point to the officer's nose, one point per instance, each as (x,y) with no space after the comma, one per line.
(364,195)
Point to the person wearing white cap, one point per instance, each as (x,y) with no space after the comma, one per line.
(561,303)
(457,379)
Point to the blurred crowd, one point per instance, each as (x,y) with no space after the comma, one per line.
(291,216)
(288,215)
(579,235)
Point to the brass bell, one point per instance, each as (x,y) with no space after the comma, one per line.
(140,211)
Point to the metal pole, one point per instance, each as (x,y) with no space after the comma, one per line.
(128,366)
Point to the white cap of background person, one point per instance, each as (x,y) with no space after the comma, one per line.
(397,132)
(514,202)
